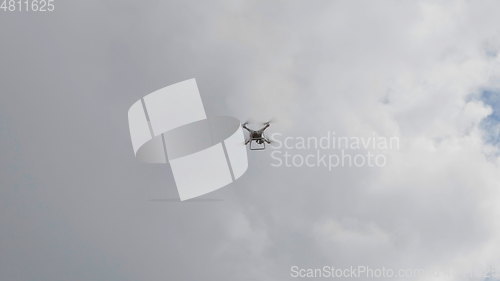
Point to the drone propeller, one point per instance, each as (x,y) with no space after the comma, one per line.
(249,121)
(269,122)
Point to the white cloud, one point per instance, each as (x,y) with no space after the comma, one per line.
(432,207)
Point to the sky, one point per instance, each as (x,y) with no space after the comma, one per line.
(75,204)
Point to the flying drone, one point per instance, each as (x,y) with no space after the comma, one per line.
(257,136)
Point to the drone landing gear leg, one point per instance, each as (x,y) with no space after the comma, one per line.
(257,148)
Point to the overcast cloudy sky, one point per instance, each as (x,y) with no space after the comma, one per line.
(76,205)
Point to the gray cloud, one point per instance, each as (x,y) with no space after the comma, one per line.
(75,204)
